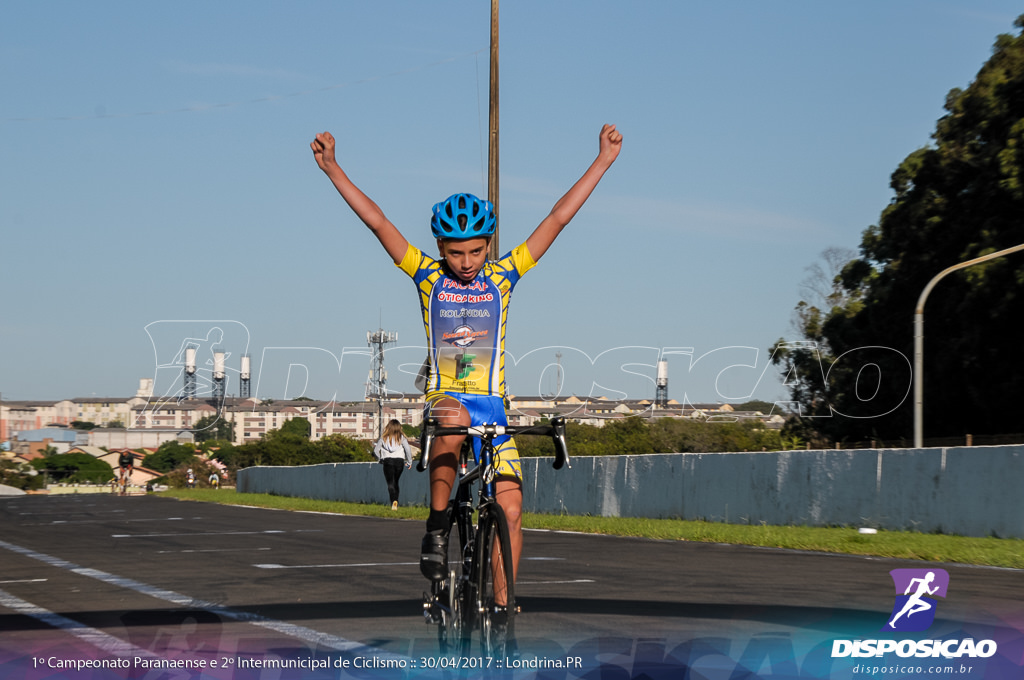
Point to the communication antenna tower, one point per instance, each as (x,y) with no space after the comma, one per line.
(376,386)
(558,377)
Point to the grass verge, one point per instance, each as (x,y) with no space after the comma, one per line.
(995,552)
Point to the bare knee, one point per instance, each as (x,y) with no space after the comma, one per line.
(514,517)
(449,412)
(510,499)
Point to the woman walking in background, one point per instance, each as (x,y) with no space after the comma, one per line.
(393,451)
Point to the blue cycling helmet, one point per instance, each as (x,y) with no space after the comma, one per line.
(463,216)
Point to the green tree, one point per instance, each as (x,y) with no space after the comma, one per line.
(764,407)
(959,198)
(224,451)
(75,468)
(583,440)
(300,427)
(636,436)
(20,475)
(178,477)
(805,364)
(628,436)
(672,435)
(213,427)
(170,455)
(338,448)
(290,445)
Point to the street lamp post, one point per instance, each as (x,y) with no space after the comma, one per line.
(919,338)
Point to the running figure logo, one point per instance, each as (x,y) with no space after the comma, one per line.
(914,609)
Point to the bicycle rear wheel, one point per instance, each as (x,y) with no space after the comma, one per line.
(495,584)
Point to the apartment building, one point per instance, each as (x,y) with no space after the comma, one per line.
(143,418)
(21,416)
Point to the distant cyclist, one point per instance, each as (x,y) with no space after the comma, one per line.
(126,463)
(464,299)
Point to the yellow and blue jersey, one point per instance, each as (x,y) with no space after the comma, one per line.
(465,322)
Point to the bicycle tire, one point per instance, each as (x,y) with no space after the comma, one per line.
(454,629)
(452,632)
(495,582)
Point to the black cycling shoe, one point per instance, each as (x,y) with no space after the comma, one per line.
(434,555)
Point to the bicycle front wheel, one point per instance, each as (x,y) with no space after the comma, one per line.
(495,584)
(451,593)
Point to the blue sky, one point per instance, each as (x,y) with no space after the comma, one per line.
(155,168)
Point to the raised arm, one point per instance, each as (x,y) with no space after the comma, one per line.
(364,208)
(567,206)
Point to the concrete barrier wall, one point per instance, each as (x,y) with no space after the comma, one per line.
(967,491)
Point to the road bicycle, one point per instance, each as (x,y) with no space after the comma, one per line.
(479,591)
(124,478)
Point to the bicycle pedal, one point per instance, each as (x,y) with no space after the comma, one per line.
(431,611)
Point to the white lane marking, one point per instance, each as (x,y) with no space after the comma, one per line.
(574,533)
(97,638)
(210,550)
(216,533)
(380,564)
(62,512)
(291,630)
(545,583)
(25,580)
(104,521)
(333,566)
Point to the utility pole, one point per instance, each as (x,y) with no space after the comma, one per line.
(492,147)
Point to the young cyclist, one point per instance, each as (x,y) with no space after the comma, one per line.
(126,462)
(464,299)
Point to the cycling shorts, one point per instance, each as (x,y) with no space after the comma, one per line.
(485,409)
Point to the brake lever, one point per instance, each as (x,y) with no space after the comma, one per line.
(561,447)
(426,439)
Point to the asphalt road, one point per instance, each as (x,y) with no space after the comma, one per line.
(155,576)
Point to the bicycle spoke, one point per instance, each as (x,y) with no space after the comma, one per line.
(453,630)
(496,590)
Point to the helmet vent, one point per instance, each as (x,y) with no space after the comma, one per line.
(463,216)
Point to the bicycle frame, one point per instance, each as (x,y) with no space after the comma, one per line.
(457,604)
(123,478)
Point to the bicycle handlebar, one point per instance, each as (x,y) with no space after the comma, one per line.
(556,430)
